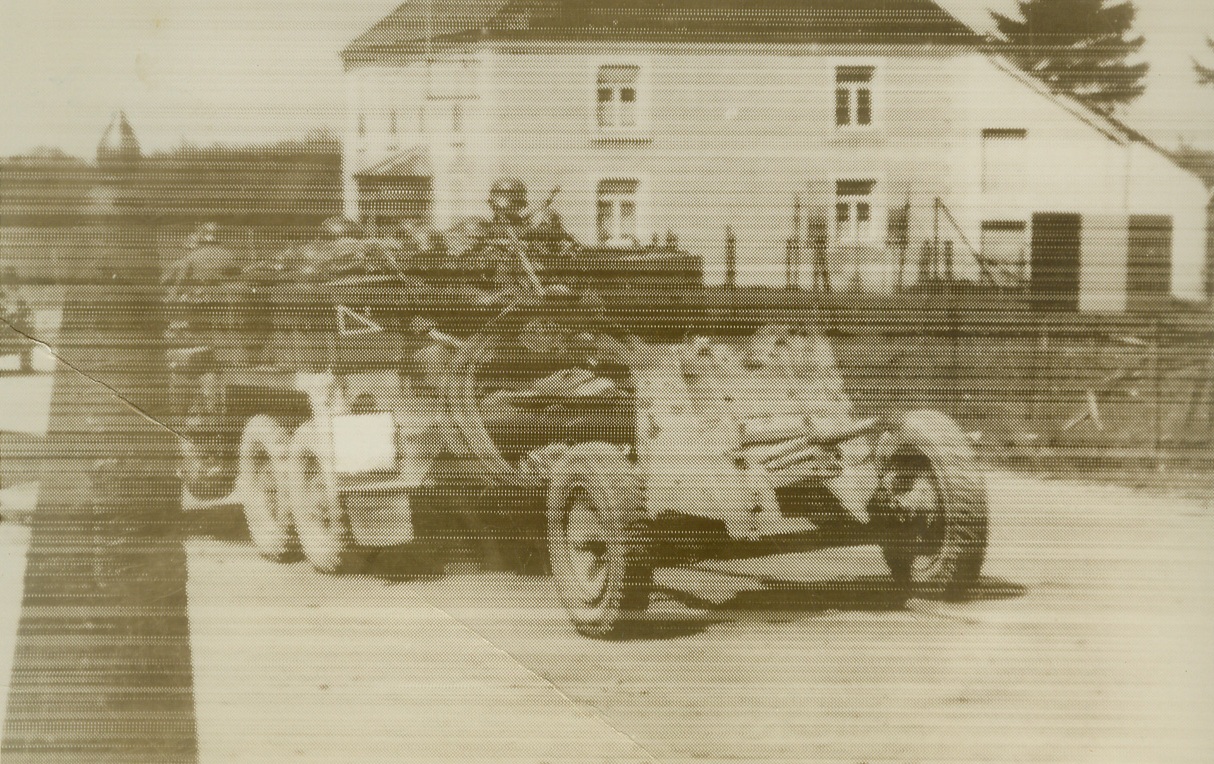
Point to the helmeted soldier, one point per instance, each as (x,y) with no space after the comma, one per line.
(514,246)
(203,293)
(337,249)
(16,318)
(206,263)
(508,200)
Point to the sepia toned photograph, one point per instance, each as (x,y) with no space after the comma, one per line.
(563,381)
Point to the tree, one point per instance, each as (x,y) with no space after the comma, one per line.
(1205,74)
(1080,47)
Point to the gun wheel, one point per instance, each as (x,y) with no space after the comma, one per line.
(596,540)
(261,486)
(930,508)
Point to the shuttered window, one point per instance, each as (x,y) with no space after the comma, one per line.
(854,210)
(617,212)
(854,95)
(618,97)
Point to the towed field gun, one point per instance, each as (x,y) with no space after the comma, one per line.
(346,410)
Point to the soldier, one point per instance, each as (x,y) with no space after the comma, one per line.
(338,250)
(512,248)
(206,263)
(540,228)
(16,321)
(202,294)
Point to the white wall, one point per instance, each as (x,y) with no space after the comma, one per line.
(735,132)
(1076,163)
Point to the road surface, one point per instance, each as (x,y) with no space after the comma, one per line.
(1089,640)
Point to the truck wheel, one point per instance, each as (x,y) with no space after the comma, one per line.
(316,507)
(930,508)
(262,460)
(596,539)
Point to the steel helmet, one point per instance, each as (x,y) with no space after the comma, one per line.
(207,233)
(336,227)
(508,193)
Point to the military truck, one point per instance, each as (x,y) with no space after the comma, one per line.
(341,409)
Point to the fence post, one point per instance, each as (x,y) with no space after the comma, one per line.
(731,258)
(1039,346)
(1158,394)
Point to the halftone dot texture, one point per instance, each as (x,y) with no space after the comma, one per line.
(893,222)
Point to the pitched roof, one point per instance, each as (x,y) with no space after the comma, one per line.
(414,163)
(421,21)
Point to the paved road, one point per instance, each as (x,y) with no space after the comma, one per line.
(1090,641)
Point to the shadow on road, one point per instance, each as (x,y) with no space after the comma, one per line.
(785,602)
(675,611)
(221,523)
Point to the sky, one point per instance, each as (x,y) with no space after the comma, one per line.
(239,71)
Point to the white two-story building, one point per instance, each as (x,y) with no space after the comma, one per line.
(877,127)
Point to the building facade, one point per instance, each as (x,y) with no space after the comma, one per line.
(886,141)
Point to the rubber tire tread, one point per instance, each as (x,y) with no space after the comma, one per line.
(963,498)
(266,433)
(346,556)
(614,486)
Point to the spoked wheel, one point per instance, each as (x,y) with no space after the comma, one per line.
(316,507)
(262,484)
(930,508)
(596,539)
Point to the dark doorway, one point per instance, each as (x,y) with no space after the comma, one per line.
(1054,265)
(1149,265)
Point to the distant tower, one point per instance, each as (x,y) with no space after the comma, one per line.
(118,153)
(121,239)
(118,158)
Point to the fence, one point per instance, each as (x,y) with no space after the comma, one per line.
(1090,387)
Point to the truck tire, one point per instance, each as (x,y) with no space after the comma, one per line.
(930,508)
(261,487)
(320,517)
(596,539)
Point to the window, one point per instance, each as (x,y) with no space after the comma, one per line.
(617,212)
(1005,250)
(617,97)
(1003,160)
(854,210)
(854,95)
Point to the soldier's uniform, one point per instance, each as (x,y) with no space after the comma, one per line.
(339,250)
(486,249)
(205,315)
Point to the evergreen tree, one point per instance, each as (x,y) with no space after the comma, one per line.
(1079,47)
(1205,74)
